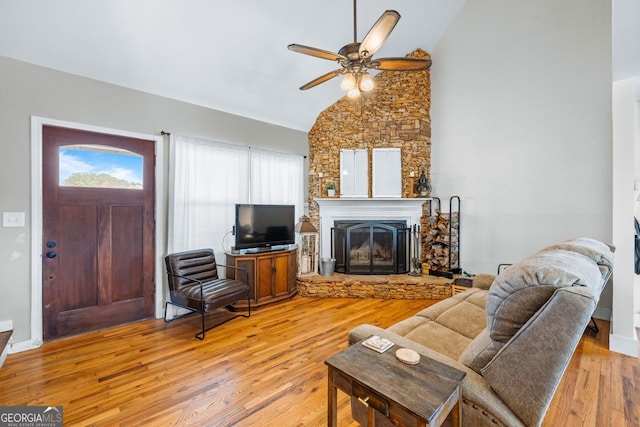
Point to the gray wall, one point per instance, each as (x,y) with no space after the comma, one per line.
(521,126)
(27,90)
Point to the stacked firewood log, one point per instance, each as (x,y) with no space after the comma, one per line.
(439,239)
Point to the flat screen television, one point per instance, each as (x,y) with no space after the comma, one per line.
(264,226)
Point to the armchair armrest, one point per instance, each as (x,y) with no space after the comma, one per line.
(246,272)
(187,278)
(200,282)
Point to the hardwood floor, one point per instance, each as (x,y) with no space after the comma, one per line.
(267,370)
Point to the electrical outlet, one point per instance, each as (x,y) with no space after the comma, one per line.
(13,219)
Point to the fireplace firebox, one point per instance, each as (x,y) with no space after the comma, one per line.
(371,246)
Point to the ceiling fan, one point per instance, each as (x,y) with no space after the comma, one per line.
(357,57)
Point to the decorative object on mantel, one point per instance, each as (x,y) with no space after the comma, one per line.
(423,188)
(412,184)
(308,246)
(331,189)
(357,58)
(442,239)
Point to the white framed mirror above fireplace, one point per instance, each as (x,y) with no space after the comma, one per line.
(354,173)
(386,172)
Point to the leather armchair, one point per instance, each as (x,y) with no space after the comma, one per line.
(194,284)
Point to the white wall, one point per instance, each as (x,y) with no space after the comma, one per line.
(626,140)
(27,90)
(521,126)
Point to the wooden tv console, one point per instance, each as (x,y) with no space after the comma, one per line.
(272,276)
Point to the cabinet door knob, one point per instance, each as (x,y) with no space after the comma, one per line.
(364,401)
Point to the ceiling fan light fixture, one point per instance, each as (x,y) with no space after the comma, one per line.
(356,58)
(348,82)
(366,82)
(353,93)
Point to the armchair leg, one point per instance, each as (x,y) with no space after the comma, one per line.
(166,305)
(200,335)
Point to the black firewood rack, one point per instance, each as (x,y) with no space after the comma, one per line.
(453,242)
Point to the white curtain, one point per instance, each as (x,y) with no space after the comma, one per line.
(276,179)
(207,179)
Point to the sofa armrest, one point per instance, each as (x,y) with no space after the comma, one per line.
(479,281)
(481,406)
(483,281)
(528,369)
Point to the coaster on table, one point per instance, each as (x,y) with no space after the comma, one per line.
(408,356)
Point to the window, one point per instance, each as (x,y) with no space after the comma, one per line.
(208,178)
(99,166)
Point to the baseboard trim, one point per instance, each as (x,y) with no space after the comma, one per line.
(18,347)
(623,345)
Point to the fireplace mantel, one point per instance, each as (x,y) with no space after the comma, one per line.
(350,208)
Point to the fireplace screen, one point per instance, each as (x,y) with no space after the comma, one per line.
(371,247)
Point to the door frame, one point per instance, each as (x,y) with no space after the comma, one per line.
(36,216)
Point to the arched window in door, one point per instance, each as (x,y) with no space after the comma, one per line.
(99,166)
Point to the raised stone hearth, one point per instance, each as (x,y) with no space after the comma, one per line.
(388,286)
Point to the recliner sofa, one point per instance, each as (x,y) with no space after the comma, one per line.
(512,334)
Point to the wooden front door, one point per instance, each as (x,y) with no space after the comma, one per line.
(98,230)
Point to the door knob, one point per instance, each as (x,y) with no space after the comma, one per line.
(51,254)
(51,244)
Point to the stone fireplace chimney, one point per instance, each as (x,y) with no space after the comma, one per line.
(396,115)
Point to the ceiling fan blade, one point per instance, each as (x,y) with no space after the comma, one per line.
(321,79)
(401,64)
(318,53)
(378,33)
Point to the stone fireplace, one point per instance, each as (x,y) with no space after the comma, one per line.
(396,115)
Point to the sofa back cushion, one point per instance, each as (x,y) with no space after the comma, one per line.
(599,252)
(523,288)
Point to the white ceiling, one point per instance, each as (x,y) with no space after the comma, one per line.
(232,55)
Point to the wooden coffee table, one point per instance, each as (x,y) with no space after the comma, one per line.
(417,395)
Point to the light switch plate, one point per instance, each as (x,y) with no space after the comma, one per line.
(13,219)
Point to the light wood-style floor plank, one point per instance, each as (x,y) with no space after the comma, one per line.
(267,370)
(592,391)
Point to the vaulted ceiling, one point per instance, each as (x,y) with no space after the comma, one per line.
(232,55)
